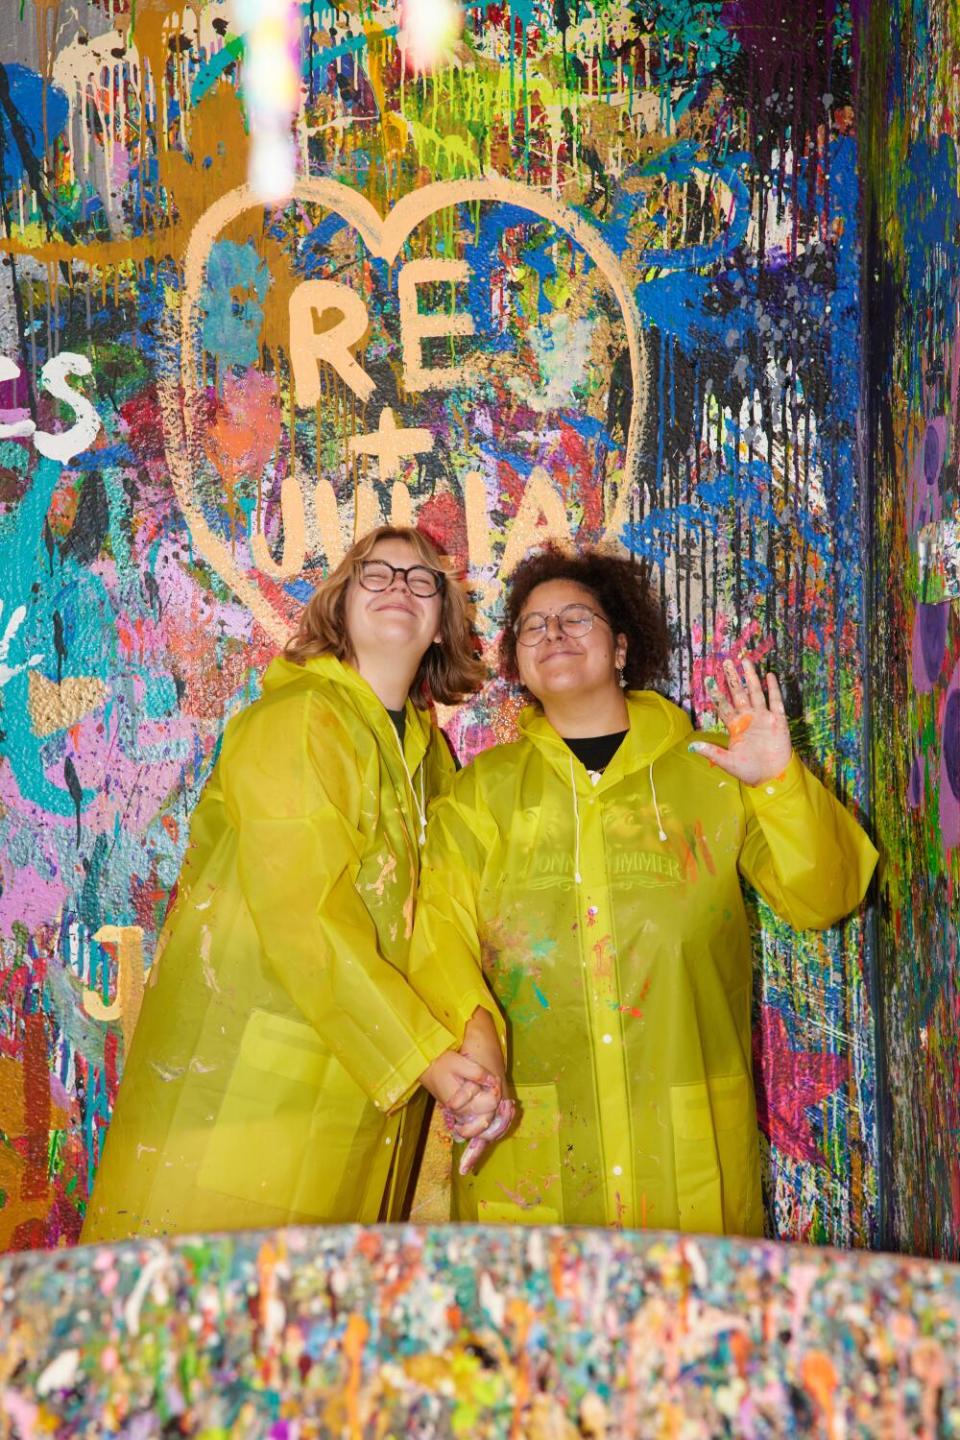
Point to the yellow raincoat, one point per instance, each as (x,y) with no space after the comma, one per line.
(624,994)
(279,1039)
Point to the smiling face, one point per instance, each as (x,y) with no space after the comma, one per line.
(562,666)
(393,619)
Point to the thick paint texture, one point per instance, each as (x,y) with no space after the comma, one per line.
(913,310)
(547,1334)
(595,277)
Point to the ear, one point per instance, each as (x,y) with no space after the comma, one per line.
(620,651)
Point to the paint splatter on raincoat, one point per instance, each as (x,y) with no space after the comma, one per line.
(279,1039)
(618,964)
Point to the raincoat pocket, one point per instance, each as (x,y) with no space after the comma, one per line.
(520,1183)
(289,1120)
(715,1153)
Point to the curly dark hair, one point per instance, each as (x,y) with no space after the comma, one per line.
(622,589)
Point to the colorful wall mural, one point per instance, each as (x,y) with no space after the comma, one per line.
(596,276)
(913,310)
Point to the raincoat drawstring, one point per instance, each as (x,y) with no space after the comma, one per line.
(656,808)
(576,820)
(421,802)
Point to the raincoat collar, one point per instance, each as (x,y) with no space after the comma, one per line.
(656,725)
(364,700)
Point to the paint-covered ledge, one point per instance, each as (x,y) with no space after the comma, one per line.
(476,1332)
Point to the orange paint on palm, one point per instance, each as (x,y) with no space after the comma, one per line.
(740,725)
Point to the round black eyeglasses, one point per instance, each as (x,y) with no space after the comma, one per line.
(420,580)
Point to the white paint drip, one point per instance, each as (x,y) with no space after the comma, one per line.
(60,1374)
(131,1310)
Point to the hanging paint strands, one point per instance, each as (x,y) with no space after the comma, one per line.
(272,91)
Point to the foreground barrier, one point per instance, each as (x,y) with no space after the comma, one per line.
(476,1333)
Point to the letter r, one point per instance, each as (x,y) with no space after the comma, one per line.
(310,345)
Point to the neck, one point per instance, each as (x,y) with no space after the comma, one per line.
(389,676)
(577,717)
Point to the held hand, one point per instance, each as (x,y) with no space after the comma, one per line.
(455,1080)
(472,1118)
(480,1044)
(760,745)
(499,1125)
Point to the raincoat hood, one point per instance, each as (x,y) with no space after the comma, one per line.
(656,725)
(282,672)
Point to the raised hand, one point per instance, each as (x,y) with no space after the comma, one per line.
(760,745)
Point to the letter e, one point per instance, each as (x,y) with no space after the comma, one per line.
(415,328)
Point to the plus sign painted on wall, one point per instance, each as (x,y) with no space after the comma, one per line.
(390,443)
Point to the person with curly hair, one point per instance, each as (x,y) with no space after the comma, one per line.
(580,900)
(276,1070)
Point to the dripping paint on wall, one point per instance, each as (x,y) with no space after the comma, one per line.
(595,277)
(914,302)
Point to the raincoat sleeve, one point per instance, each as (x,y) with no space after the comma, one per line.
(295,793)
(445,965)
(803,852)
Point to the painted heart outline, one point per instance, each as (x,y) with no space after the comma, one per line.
(384,238)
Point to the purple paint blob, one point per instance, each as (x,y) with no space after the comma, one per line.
(951,743)
(950,765)
(914,787)
(929,644)
(934,448)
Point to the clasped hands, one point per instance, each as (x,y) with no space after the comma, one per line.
(469,1085)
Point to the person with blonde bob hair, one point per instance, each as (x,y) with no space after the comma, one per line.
(448,670)
(278,1070)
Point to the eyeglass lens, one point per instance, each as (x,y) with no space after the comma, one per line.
(380,575)
(573,621)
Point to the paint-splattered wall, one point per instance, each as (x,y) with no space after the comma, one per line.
(645,329)
(913,293)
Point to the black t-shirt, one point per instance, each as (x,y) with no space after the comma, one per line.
(399,718)
(596,751)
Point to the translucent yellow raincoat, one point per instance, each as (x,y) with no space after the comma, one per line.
(625,993)
(279,1038)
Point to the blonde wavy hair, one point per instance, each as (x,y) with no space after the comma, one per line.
(448,672)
